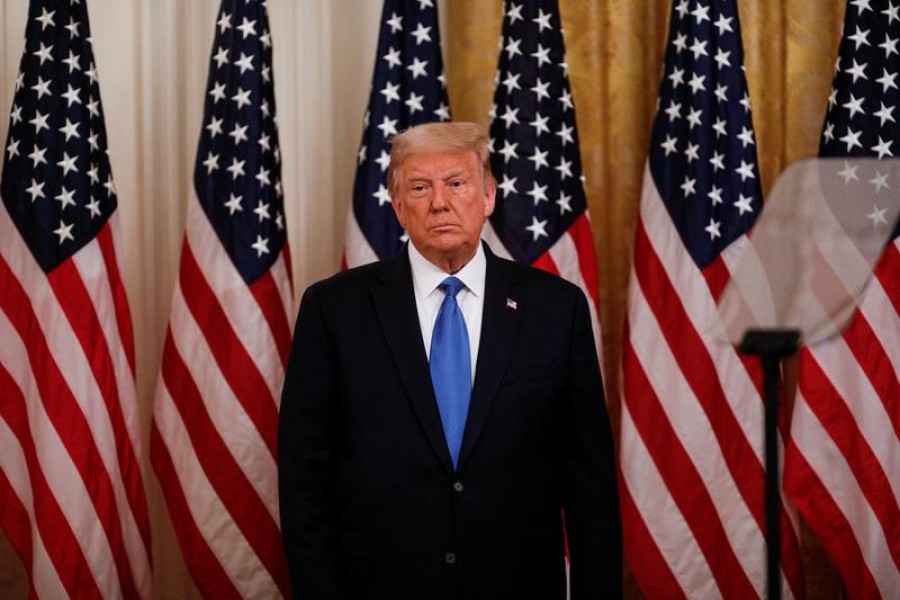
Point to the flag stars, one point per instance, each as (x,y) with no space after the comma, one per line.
(744,204)
(70,130)
(247,27)
(694,119)
(211,163)
(541,90)
(674,111)
(214,127)
(261,245)
(67,164)
(692,152)
(676,77)
(892,13)
(564,168)
(746,137)
(239,133)
(414,103)
(382,195)
(388,127)
(877,216)
(510,116)
(889,46)
(43,53)
(41,87)
(538,193)
(566,100)
(37,156)
(539,159)
(64,232)
(564,203)
(65,198)
(851,138)
(689,187)
(883,147)
(383,160)
(670,145)
(885,114)
(680,43)
(512,48)
(565,134)
(860,38)
(537,228)
(715,194)
(717,160)
(858,71)
(515,14)
(224,22)
(393,58)
(713,229)
(245,63)
(236,168)
(263,177)
(242,98)
(848,173)
(511,83)
(218,92)
(880,181)
(746,171)
(722,58)
(36,190)
(700,13)
(262,211)
(417,68)
(72,27)
(543,21)
(696,83)
(542,55)
(46,19)
(887,80)
(723,24)
(12,149)
(421,33)
(854,105)
(508,186)
(442,112)
(540,124)
(72,96)
(509,150)
(110,186)
(719,127)
(698,48)
(93,107)
(395,23)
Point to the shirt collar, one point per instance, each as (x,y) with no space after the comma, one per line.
(427,276)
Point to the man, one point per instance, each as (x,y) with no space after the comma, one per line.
(438,437)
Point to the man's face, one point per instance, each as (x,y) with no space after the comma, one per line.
(442,202)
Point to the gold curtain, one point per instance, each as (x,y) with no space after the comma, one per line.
(615,52)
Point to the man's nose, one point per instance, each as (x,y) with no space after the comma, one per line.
(440,197)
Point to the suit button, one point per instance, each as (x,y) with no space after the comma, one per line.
(458,486)
(450,558)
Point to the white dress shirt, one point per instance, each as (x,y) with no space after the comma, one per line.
(426,279)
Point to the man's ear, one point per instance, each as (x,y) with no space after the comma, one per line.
(490,197)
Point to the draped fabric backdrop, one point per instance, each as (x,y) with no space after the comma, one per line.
(152,57)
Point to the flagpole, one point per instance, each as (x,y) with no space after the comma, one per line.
(772,346)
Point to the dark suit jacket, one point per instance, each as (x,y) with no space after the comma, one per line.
(370,504)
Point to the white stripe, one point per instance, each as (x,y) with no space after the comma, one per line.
(285,292)
(826,460)
(241,309)
(12,462)
(565,255)
(357,250)
(228,416)
(231,549)
(695,432)
(54,460)
(490,236)
(76,369)
(662,516)
(878,310)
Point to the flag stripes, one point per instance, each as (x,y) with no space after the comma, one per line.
(82,419)
(696,406)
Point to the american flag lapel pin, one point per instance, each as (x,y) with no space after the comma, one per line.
(510,303)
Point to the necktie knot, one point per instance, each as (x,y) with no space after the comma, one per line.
(451,286)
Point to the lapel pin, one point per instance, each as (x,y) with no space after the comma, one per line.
(510,303)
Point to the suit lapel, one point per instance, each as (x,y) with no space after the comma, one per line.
(395,305)
(500,322)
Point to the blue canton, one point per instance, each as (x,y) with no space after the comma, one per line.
(407,89)
(703,151)
(534,143)
(862,118)
(237,175)
(56,184)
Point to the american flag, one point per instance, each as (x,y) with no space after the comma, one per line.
(407,89)
(691,439)
(541,216)
(843,458)
(215,418)
(71,487)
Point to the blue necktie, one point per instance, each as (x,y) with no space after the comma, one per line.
(451,367)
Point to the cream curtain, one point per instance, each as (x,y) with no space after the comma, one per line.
(152,57)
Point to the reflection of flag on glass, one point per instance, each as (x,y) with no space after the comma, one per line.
(541,213)
(843,460)
(215,417)
(71,488)
(407,89)
(691,440)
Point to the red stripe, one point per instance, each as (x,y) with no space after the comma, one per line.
(62,408)
(836,418)
(545,263)
(208,574)
(647,563)
(682,480)
(225,475)
(62,547)
(235,363)
(876,364)
(583,237)
(832,529)
(888,273)
(268,298)
(120,299)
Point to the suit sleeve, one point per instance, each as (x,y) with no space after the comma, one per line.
(593,524)
(305,457)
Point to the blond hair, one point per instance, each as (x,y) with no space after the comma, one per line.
(453,136)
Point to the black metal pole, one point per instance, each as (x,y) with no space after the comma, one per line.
(772,346)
